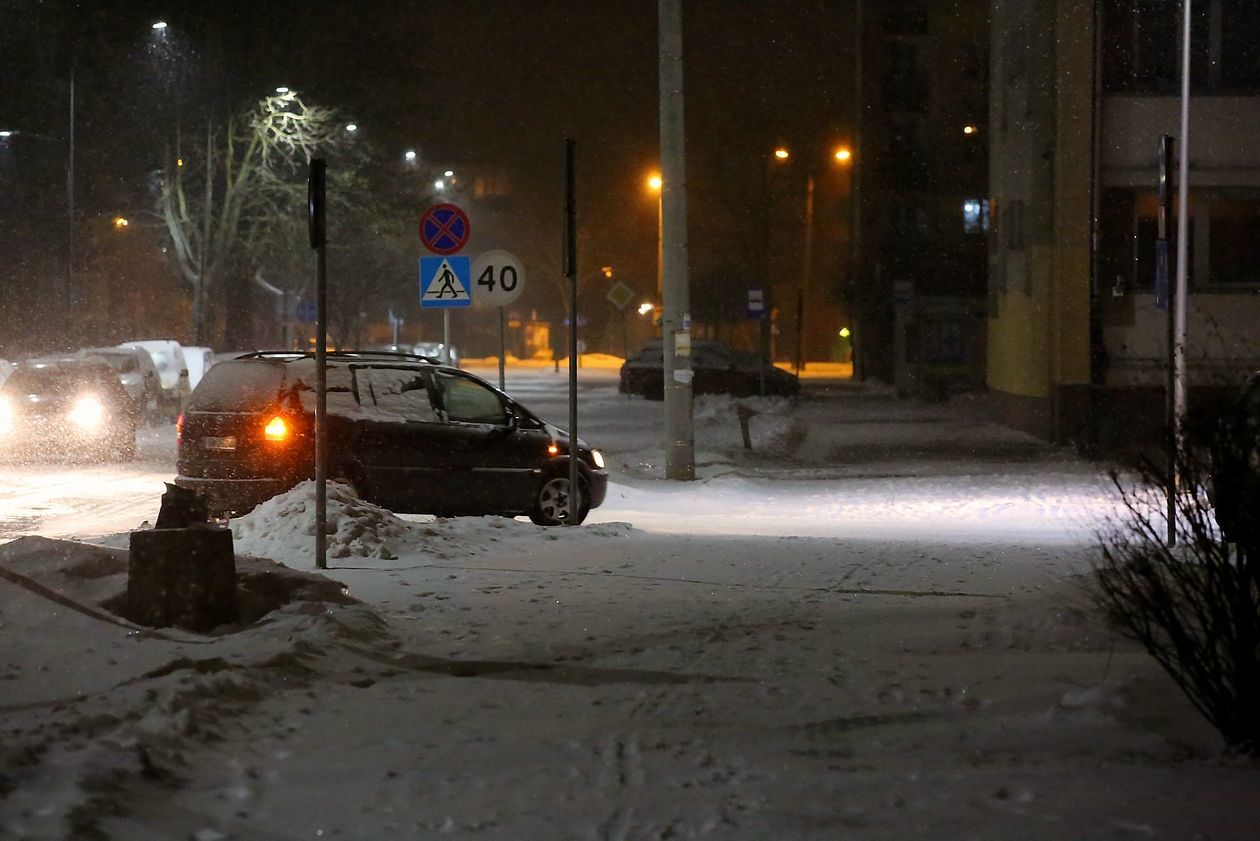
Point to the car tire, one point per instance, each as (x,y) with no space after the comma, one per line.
(551,497)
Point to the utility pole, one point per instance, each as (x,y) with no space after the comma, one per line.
(675,304)
(69,293)
(807,271)
(1183,230)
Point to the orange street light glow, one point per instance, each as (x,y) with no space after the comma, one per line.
(844,155)
(654,183)
(970,129)
(782,154)
(120,222)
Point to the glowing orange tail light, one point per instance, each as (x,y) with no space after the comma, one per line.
(276,430)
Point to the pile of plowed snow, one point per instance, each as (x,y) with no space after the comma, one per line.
(284,526)
(772,428)
(283,529)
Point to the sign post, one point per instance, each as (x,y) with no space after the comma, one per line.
(500,280)
(619,296)
(318,231)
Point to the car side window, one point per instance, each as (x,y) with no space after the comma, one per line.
(468,401)
(397,394)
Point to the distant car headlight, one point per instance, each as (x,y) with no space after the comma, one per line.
(598,458)
(87,412)
(6,416)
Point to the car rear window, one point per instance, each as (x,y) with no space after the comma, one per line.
(239,386)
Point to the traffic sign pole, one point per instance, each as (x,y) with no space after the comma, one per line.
(502,354)
(319,241)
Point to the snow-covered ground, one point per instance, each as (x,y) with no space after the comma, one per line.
(873,624)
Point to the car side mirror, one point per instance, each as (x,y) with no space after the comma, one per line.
(513,420)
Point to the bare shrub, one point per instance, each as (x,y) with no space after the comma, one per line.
(1196,606)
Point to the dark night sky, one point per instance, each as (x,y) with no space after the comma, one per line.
(477,82)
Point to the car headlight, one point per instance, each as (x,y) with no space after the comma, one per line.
(6,416)
(87,412)
(598,458)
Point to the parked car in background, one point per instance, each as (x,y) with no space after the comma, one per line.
(717,368)
(408,434)
(438,351)
(136,373)
(168,357)
(198,360)
(54,408)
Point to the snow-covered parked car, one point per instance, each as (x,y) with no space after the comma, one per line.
(717,369)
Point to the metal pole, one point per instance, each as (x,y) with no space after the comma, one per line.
(570,271)
(676,305)
(1183,226)
(1162,295)
(446,336)
(856,286)
(502,354)
(69,292)
(803,290)
(319,241)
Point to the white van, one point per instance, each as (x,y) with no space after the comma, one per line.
(198,360)
(168,357)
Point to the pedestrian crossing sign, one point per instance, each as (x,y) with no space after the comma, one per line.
(445,281)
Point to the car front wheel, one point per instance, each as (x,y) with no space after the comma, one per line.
(551,501)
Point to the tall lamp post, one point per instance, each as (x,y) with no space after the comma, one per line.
(654,186)
(840,156)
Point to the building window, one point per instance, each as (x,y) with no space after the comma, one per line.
(1013,225)
(906,17)
(905,83)
(1233,247)
(1222,248)
(1141,46)
(975,216)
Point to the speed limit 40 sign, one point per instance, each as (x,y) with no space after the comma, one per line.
(498,278)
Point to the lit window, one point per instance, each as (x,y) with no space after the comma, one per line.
(975,216)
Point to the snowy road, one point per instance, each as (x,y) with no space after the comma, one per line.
(932,474)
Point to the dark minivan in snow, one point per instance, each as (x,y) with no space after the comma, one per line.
(407,433)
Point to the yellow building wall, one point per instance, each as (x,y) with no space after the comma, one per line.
(1019,359)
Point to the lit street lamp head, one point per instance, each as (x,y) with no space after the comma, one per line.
(654,183)
(844,154)
(782,154)
(159,26)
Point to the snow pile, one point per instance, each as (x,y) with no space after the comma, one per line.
(772,427)
(285,524)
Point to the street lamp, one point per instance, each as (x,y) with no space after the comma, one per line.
(655,185)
